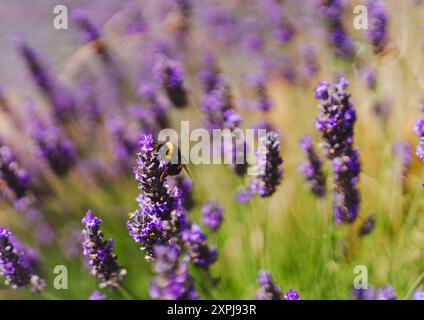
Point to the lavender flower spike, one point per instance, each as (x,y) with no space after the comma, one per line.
(418,295)
(96,295)
(53,146)
(269,160)
(212,213)
(346,193)
(171,77)
(291,294)
(199,252)
(99,253)
(386,293)
(312,168)
(419,131)
(336,119)
(16,180)
(172,281)
(332,12)
(61,100)
(268,290)
(160,215)
(377,33)
(15,263)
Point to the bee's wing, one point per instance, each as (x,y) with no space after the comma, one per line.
(184,164)
(186,170)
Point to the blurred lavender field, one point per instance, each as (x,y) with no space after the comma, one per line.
(84,187)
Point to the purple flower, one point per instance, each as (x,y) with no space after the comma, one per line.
(53,146)
(99,253)
(16,264)
(212,214)
(419,131)
(312,168)
(367,225)
(244,195)
(403,151)
(197,249)
(281,28)
(90,31)
(346,194)
(155,104)
(209,75)
(222,24)
(185,185)
(171,77)
(364,294)
(124,141)
(368,77)
(16,179)
(160,215)
(418,295)
(263,101)
(336,119)
(310,62)
(219,109)
(291,295)
(376,32)
(270,163)
(172,280)
(386,293)
(332,12)
(61,100)
(268,290)
(96,295)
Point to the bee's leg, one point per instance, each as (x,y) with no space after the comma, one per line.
(163,175)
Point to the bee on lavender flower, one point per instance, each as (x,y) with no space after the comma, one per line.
(170,154)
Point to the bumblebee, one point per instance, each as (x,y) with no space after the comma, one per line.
(171,155)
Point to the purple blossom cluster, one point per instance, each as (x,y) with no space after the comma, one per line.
(419,131)
(160,216)
(99,253)
(377,25)
(198,250)
(15,180)
(212,215)
(270,291)
(53,146)
(171,77)
(332,12)
(16,264)
(269,161)
(61,100)
(312,168)
(172,280)
(336,123)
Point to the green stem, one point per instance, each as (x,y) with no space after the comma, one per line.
(125,294)
(49,296)
(414,286)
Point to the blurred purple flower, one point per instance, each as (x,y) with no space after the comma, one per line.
(96,295)
(386,293)
(197,249)
(172,280)
(367,225)
(170,75)
(291,294)
(16,265)
(99,253)
(312,168)
(268,290)
(377,25)
(212,215)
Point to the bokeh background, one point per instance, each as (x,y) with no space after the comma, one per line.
(291,234)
